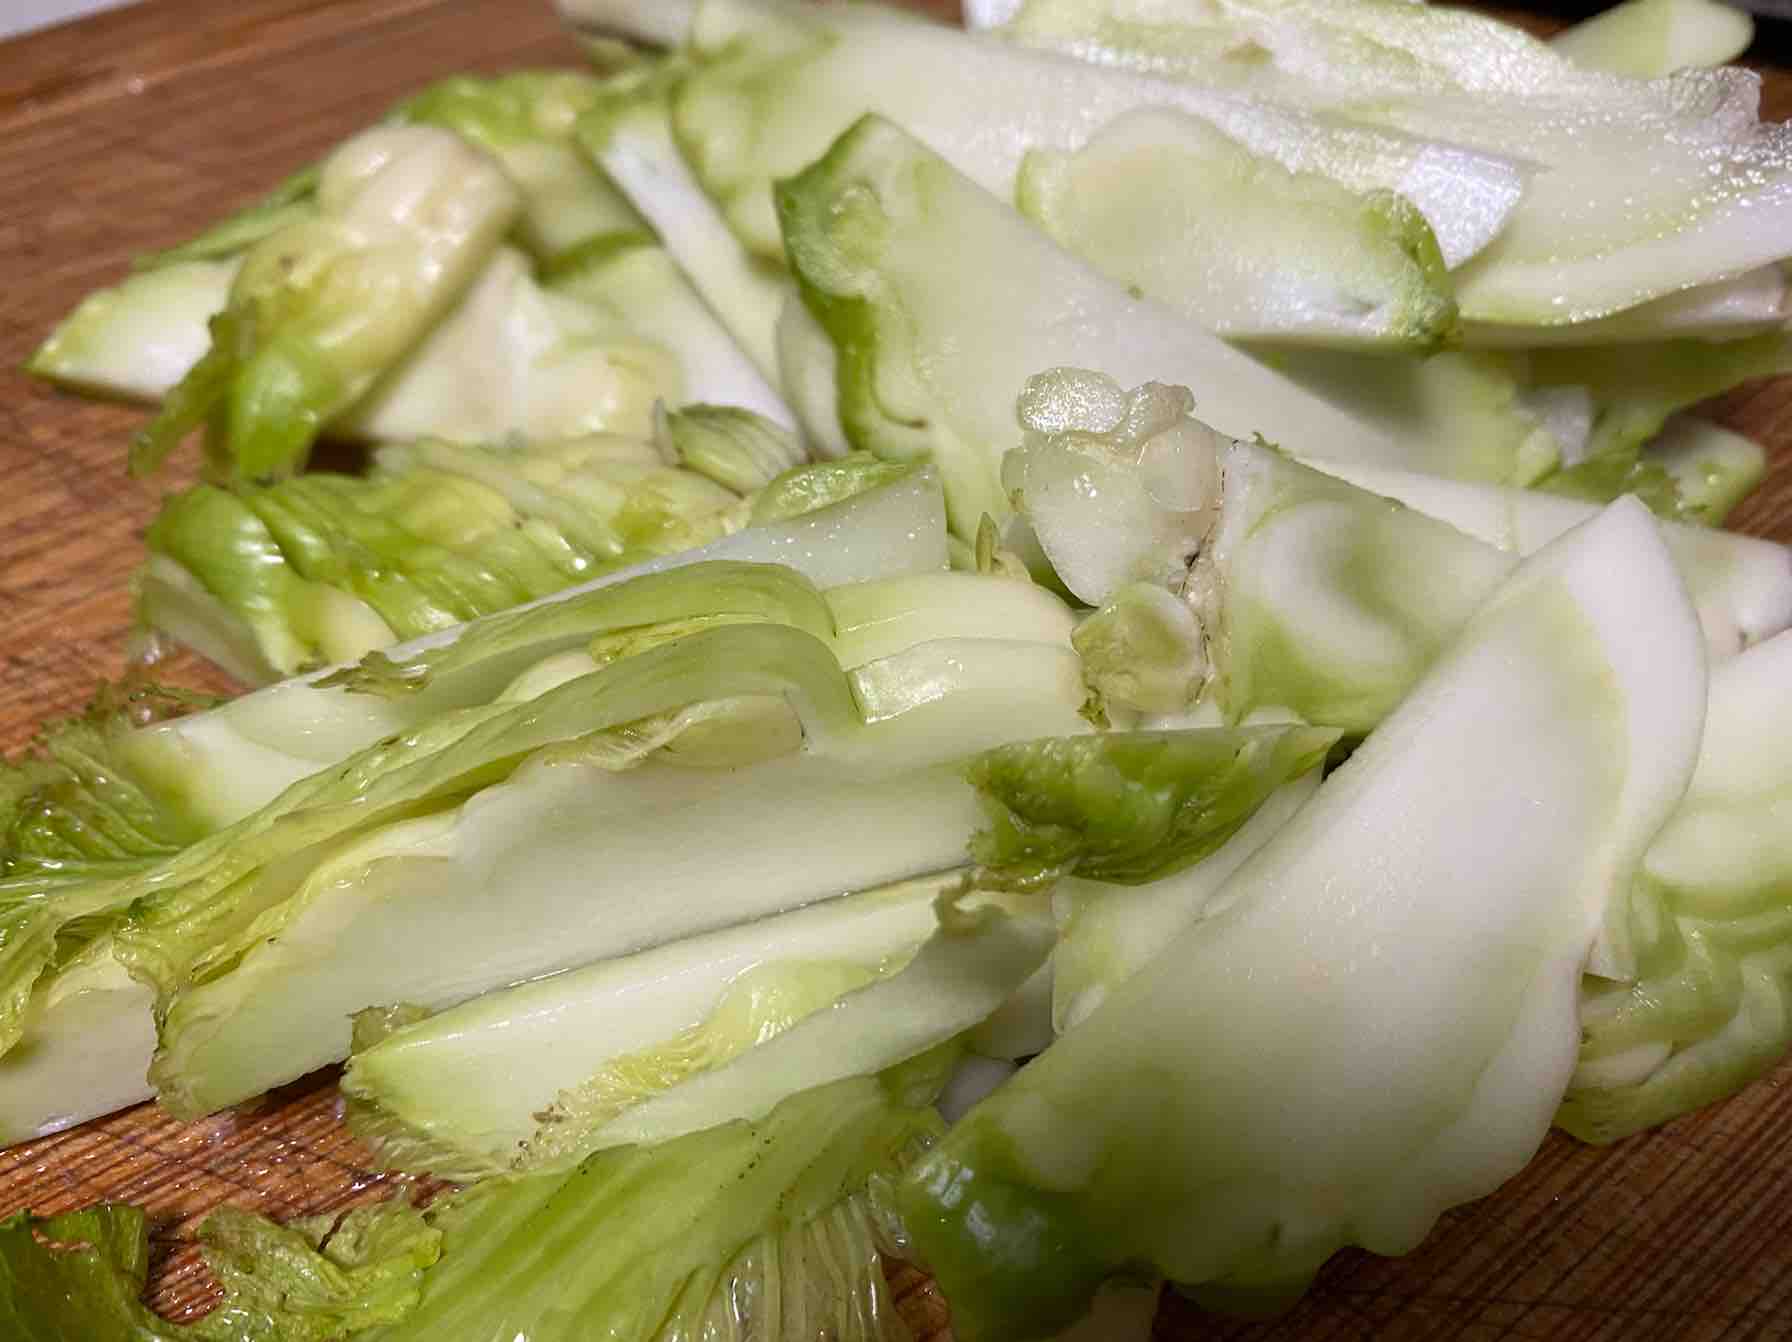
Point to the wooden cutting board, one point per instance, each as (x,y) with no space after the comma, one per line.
(128,131)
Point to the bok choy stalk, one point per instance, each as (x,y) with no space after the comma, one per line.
(315,1279)
(1636,388)
(230,761)
(1707,1008)
(1469,414)
(940,301)
(1109,932)
(772,84)
(1712,469)
(641,289)
(324,306)
(972,963)
(1313,597)
(526,121)
(1740,586)
(274,579)
(1167,204)
(140,337)
(1264,1143)
(591,1042)
(1645,188)
(630,136)
(720,1026)
(1651,38)
(515,359)
(547,347)
(485,828)
(210,771)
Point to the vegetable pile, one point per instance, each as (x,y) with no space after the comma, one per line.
(1095,652)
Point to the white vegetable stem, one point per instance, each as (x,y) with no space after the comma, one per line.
(1741,586)
(1382,1019)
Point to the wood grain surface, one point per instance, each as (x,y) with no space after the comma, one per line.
(126,132)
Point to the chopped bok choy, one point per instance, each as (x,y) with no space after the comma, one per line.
(326,305)
(273,579)
(483,828)
(1708,1006)
(1270,1137)
(207,777)
(940,302)
(722,1026)
(774,82)
(1166,204)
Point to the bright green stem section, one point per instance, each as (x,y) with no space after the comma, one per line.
(1129,807)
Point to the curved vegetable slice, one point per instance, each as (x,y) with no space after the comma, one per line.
(262,584)
(1645,188)
(1329,602)
(1570,711)
(513,358)
(1709,1008)
(942,302)
(139,337)
(643,291)
(1110,933)
(774,84)
(270,935)
(1741,586)
(526,120)
(1712,468)
(979,955)
(83,1049)
(1166,204)
(630,136)
(326,305)
(1650,38)
(1460,414)
(470,1084)
(220,766)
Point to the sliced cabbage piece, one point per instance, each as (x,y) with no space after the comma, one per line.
(1636,388)
(1364,1035)
(1645,188)
(323,569)
(217,768)
(774,84)
(1650,38)
(325,306)
(1168,205)
(474,843)
(630,135)
(1460,414)
(513,358)
(526,119)
(1329,601)
(1741,586)
(1712,468)
(139,337)
(1708,1008)
(619,1029)
(941,303)
(1110,932)
(643,291)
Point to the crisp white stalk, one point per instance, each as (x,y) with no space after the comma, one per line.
(1741,586)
